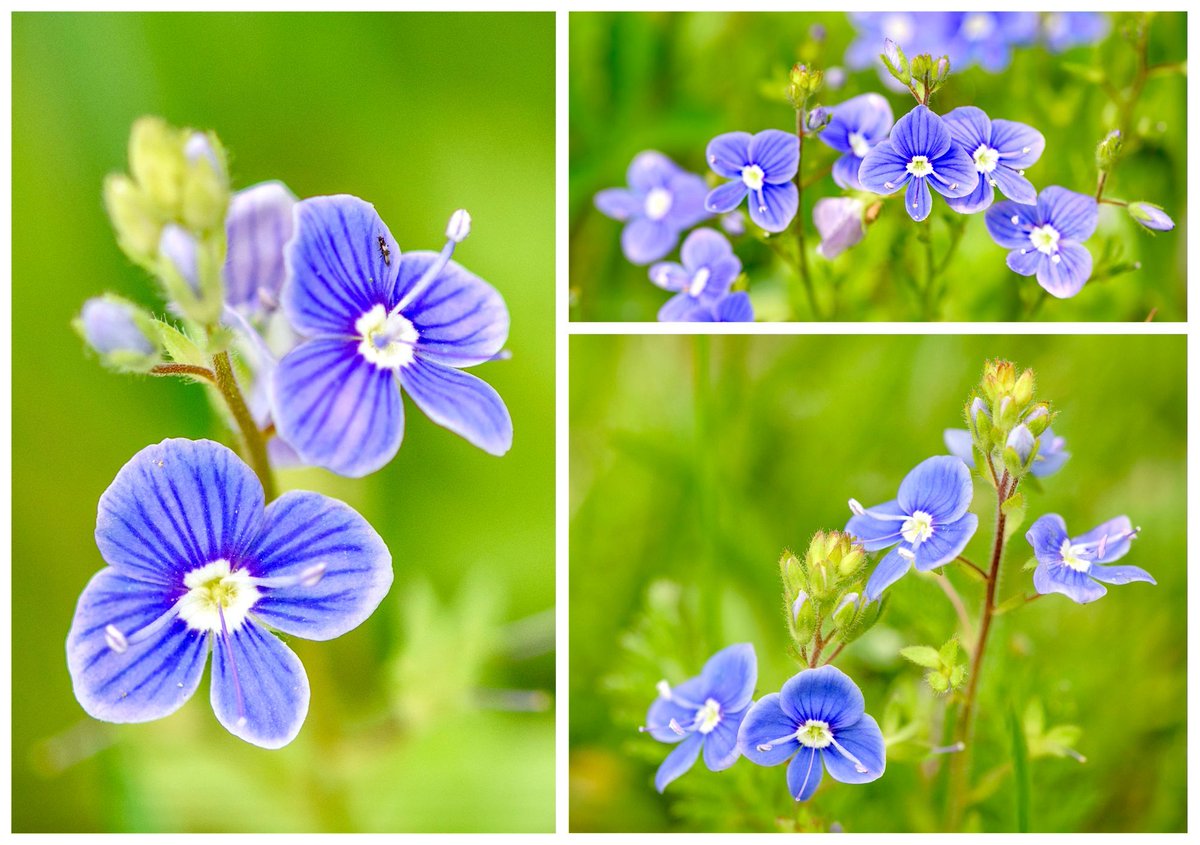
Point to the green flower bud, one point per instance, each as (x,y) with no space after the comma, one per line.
(133,218)
(1108,151)
(1038,419)
(122,334)
(157,163)
(1023,389)
(205,183)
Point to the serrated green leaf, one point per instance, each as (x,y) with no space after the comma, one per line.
(958,675)
(937,681)
(949,653)
(181,348)
(922,655)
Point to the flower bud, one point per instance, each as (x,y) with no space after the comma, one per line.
(1150,216)
(895,61)
(1108,151)
(846,608)
(177,250)
(1023,389)
(1038,419)
(133,217)
(817,119)
(156,162)
(205,183)
(1022,442)
(119,332)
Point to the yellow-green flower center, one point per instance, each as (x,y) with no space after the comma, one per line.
(386,340)
(815,734)
(752,177)
(917,528)
(919,166)
(214,590)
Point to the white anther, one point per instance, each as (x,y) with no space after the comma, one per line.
(459,226)
(115,639)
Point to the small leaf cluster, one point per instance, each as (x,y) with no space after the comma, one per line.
(946,671)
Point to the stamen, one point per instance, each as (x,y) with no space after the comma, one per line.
(949,749)
(309,577)
(767,746)
(456,232)
(812,759)
(1075,754)
(858,766)
(664,689)
(237,684)
(120,643)
(676,728)
(907,554)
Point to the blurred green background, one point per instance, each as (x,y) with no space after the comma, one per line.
(673,81)
(435,714)
(696,461)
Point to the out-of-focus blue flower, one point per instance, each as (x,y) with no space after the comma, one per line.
(928,522)
(709,268)
(987,38)
(1051,455)
(1151,216)
(819,721)
(762,166)
(730,308)
(1000,150)
(855,127)
(662,201)
(257,227)
(919,153)
(376,321)
(968,38)
(915,32)
(1064,30)
(839,222)
(195,561)
(1075,567)
(1047,239)
(703,714)
(734,223)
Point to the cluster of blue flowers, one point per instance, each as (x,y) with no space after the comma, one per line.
(331,322)
(965,155)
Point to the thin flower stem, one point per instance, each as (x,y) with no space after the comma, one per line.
(978,569)
(836,652)
(956,601)
(928,306)
(254,442)
(801,251)
(1128,102)
(1107,201)
(184,370)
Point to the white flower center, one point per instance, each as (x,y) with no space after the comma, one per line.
(917,528)
(658,203)
(752,177)
(919,166)
(388,340)
(986,158)
(699,282)
(1045,239)
(215,591)
(859,144)
(1071,557)
(899,28)
(708,716)
(978,26)
(815,734)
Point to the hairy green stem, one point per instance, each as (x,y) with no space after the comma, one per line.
(184,370)
(801,251)
(253,442)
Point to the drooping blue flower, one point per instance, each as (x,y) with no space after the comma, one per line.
(761,166)
(1150,216)
(662,201)
(927,522)
(1047,239)
(1064,30)
(709,268)
(855,127)
(1076,566)
(196,562)
(921,154)
(819,721)
(839,222)
(1051,455)
(376,321)
(703,713)
(1000,150)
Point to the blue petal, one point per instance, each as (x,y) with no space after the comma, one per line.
(460,319)
(649,170)
(826,694)
(727,154)
(730,675)
(1115,549)
(918,202)
(681,758)
(1065,277)
(876,534)
(259,688)
(777,153)
(1047,535)
(954,173)
(337,409)
(946,543)
(1024,261)
(1073,215)
(725,198)
(151,678)
(1006,233)
(883,169)
(644,240)
(1012,139)
(970,127)
(459,401)
(687,201)
(864,740)
(336,271)
(682,308)
(1058,578)
(686,698)
(669,275)
(920,133)
(1048,460)
(845,172)
(765,723)
(704,248)
(940,486)
(869,115)
(257,227)
(177,506)
(304,530)
(721,745)
(1120,574)
(960,444)
(774,207)
(977,200)
(804,774)
(735,308)
(618,203)
(888,571)
(1014,186)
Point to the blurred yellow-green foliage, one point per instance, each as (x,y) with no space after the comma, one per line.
(673,81)
(436,713)
(696,461)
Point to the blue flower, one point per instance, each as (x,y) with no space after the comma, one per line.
(112,326)
(257,228)
(1064,30)
(839,222)
(915,32)
(928,522)
(704,713)
(857,125)
(1000,150)
(662,201)
(1151,216)
(968,38)
(1051,455)
(730,308)
(921,154)
(1047,239)
(195,561)
(762,166)
(987,38)
(709,267)
(1076,566)
(376,321)
(819,721)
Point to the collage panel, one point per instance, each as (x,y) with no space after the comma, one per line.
(878,583)
(283,436)
(878,166)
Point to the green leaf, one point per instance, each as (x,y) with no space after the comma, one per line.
(181,348)
(949,653)
(1030,565)
(922,655)
(937,681)
(1020,757)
